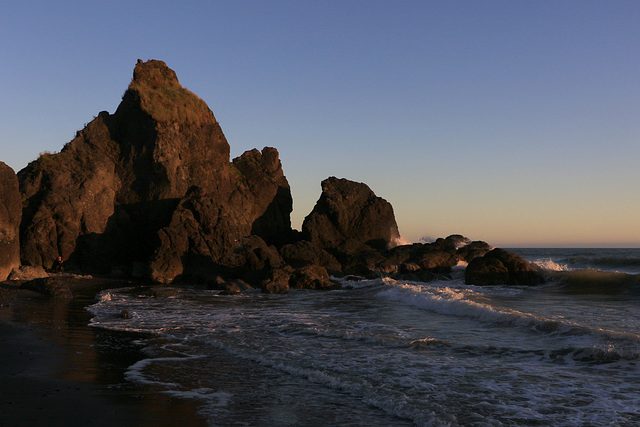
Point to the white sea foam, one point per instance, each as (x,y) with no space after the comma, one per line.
(399,241)
(551,265)
(214,398)
(135,372)
(502,355)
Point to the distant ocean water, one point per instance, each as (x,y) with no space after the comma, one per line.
(386,352)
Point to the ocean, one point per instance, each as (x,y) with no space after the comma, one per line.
(393,353)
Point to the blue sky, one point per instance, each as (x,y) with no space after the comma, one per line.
(506,121)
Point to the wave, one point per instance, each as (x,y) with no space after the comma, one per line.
(607,263)
(452,301)
(459,302)
(597,282)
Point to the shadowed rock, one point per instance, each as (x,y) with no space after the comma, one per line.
(349,211)
(312,277)
(501,267)
(150,185)
(54,287)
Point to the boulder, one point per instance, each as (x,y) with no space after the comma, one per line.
(53,287)
(276,281)
(302,253)
(473,250)
(350,211)
(312,277)
(10,215)
(434,258)
(26,272)
(501,267)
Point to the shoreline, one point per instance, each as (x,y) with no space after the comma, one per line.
(57,370)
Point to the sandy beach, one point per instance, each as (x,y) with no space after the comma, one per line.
(55,370)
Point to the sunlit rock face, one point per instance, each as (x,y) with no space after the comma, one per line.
(10,214)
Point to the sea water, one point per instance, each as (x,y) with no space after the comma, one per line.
(389,352)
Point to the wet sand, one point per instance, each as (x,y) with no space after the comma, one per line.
(57,371)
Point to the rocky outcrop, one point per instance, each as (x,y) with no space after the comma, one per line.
(501,267)
(424,261)
(209,224)
(350,213)
(150,189)
(10,214)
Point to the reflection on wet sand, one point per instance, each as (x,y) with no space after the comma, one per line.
(97,357)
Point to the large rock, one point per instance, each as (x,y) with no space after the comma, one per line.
(26,273)
(209,224)
(501,267)
(303,253)
(151,185)
(312,277)
(122,175)
(349,211)
(10,214)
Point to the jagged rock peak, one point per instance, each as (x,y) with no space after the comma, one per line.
(154,73)
(159,93)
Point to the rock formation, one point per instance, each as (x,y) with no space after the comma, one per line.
(150,192)
(350,213)
(152,186)
(10,214)
(501,267)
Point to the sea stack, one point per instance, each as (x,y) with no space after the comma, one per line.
(151,184)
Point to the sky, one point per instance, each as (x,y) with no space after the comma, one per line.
(512,122)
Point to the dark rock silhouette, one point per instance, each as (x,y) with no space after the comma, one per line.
(150,188)
(426,261)
(303,252)
(10,215)
(311,277)
(501,267)
(150,192)
(349,213)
